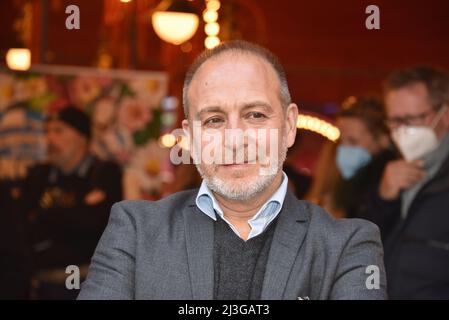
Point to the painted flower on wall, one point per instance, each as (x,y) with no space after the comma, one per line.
(146,169)
(134,114)
(149,90)
(126,117)
(83,90)
(30,88)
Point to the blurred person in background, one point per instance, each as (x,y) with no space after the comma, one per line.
(18,141)
(67,203)
(325,177)
(14,254)
(414,190)
(362,152)
(299,182)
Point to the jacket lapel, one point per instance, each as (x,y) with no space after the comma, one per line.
(199,241)
(287,239)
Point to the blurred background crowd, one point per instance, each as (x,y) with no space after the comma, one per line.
(86,117)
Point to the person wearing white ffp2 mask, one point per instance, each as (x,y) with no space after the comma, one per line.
(418,128)
(414,190)
(416,141)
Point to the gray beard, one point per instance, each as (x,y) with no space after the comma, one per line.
(228,190)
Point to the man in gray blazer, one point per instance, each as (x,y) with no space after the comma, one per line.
(241,235)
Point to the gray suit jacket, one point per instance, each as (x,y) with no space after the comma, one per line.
(164,250)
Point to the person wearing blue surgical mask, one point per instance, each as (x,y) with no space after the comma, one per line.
(363,149)
(351,158)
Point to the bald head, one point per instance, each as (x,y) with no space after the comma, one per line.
(239,50)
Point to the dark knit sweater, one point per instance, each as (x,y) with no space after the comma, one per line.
(239,266)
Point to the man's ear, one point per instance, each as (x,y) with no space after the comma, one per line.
(186,126)
(186,129)
(292,119)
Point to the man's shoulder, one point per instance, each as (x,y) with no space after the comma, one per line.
(145,209)
(39,168)
(105,167)
(38,173)
(325,227)
(103,162)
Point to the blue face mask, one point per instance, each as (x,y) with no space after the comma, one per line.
(350,159)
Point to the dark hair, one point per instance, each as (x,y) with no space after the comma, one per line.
(367,109)
(435,80)
(242,47)
(75,118)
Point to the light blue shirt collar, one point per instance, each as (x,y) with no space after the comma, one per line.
(207,203)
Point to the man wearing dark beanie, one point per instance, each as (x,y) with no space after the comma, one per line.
(67,202)
(68,135)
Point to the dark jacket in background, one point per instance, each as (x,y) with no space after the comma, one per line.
(353,195)
(417,250)
(63,229)
(301,182)
(14,255)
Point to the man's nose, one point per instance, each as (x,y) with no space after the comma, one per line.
(234,145)
(235,122)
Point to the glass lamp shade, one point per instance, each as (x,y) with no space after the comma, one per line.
(175,27)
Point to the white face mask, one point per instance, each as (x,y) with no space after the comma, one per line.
(414,142)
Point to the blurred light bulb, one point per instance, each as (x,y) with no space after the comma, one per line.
(167,140)
(213,5)
(210,16)
(18,59)
(212,29)
(211,42)
(175,27)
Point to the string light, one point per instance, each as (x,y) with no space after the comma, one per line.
(210,16)
(211,27)
(319,126)
(213,5)
(211,42)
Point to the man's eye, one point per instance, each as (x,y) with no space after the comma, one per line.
(212,121)
(256,115)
